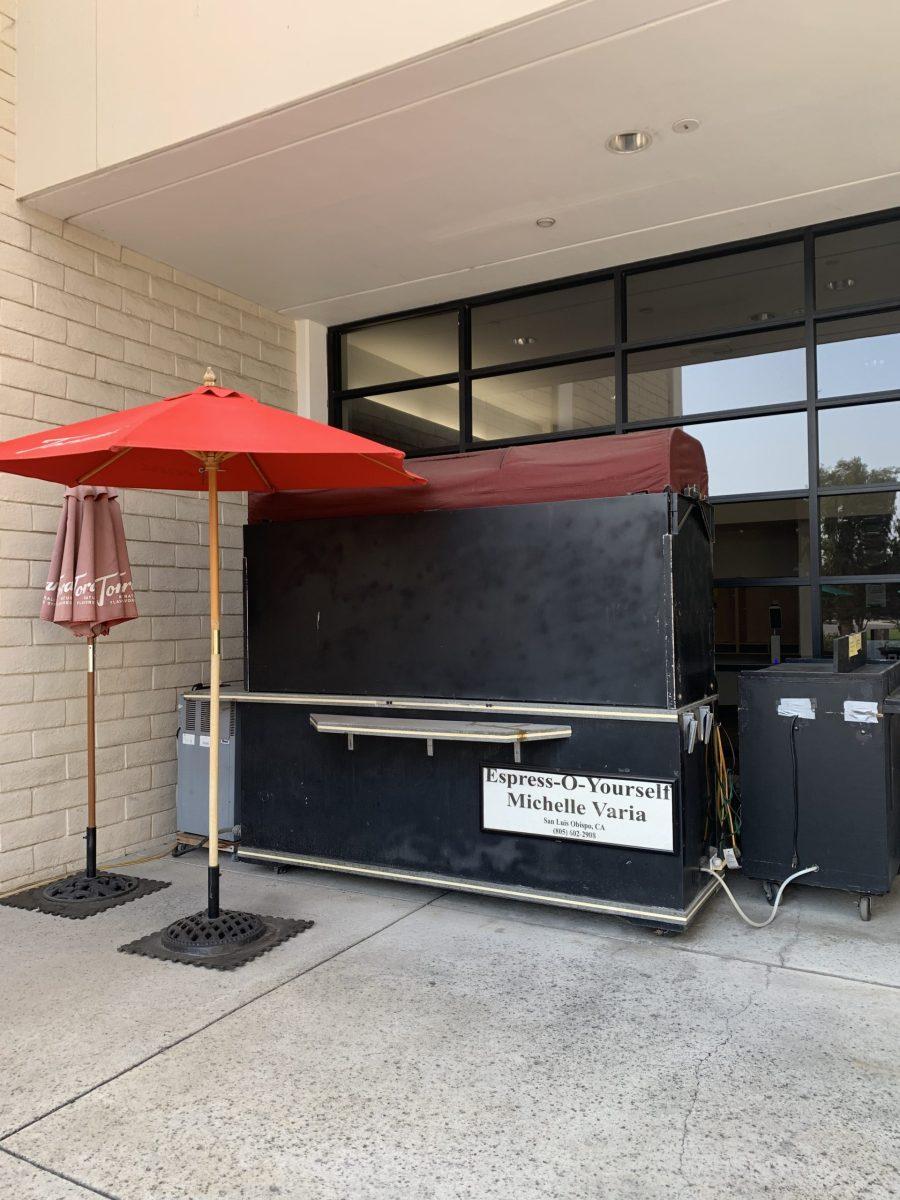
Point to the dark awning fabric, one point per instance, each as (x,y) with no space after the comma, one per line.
(653,460)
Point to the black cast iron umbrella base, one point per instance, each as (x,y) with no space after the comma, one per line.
(83,895)
(223,942)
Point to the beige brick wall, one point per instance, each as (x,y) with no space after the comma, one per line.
(87,327)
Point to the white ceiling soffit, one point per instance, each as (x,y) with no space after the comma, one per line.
(423,184)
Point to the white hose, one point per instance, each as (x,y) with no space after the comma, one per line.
(740,912)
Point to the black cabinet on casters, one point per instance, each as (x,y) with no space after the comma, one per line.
(846,751)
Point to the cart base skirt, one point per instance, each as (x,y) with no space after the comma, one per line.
(672,918)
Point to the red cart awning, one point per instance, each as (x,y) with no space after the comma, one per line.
(653,460)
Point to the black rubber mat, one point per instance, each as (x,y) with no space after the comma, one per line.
(37,899)
(225,957)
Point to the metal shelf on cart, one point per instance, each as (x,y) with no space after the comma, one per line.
(439,731)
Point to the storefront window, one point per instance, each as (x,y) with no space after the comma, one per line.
(551,400)
(740,372)
(859,355)
(715,293)
(762,539)
(415,421)
(394,351)
(858,266)
(754,454)
(860,534)
(859,444)
(558,322)
(870,608)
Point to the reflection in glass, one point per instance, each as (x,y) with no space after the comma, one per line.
(754,454)
(858,266)
(556,322)
(414,421)
(743,623)
(551,400)
(715,293)
(859,444)
(738,372)
(762,538)
(860,534)
(870,608)
(858,354)
(394,351)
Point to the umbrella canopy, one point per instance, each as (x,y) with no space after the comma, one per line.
(210,439)
(165,445)
(89,587)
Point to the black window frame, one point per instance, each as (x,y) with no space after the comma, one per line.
(806,321)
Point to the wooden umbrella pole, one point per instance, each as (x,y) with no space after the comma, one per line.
(215,670)
(91,832)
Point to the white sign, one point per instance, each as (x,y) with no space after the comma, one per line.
(615,810)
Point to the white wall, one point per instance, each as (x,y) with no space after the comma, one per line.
(86,327)
(103,81)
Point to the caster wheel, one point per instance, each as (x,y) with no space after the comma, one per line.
(281,868)
(865,908)
(770,891)
(178,849)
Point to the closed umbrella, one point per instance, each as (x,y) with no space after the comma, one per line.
(215,439)
(89,589)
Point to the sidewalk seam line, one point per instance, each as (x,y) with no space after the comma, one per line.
(59,1174)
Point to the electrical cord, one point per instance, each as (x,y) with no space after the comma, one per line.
(740,912)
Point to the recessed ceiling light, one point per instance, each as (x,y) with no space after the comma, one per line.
(545,222)
(686,125)
(840,285)
(526,340)
(629,142)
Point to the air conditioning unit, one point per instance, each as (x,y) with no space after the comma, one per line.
(192,792)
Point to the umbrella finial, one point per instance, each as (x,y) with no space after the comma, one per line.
(209,378)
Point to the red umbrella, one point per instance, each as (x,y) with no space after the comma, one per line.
(89,589)
(220,440)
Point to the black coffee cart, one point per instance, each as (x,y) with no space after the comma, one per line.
(490,695)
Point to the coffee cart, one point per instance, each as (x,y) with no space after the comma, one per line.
(502,684)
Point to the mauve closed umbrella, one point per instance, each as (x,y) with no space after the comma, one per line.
(89,589)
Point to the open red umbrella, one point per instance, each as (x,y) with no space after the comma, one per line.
(89,589)
(212,439)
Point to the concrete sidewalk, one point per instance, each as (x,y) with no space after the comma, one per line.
(434,1046)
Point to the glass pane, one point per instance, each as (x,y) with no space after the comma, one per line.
(715,293)
(762,538)
(744,624)
(560,322)
(393,351)
(859,444)
(552,400)
(860,354)
(754,454)
(860,533)
(859,266)
(873,608)
(739,372)
(414,421)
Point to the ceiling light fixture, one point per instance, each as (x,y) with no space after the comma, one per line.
(526,340)
(840,285)
(629,142)
(545,222)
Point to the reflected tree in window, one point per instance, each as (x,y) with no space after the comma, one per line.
(860,534)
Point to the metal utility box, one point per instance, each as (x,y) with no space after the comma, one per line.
(847,751)
(501,699)
(192,789)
